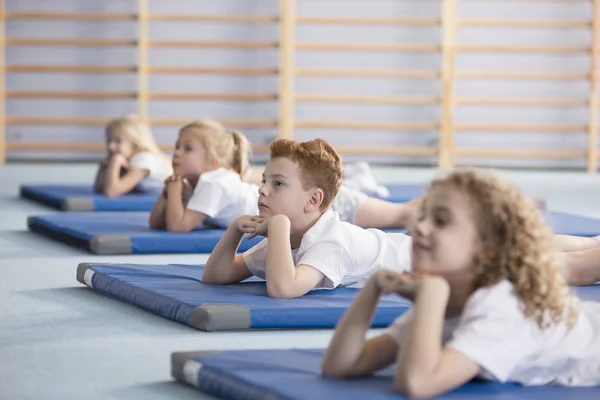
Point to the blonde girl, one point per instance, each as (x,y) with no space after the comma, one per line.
(134,161)
(206,187)
(489,300)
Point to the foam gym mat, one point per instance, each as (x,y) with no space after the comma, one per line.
(128,233)
(176,292)
(83,198)
(125,233)
(296,375)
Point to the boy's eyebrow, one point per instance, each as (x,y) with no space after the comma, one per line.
(275,176)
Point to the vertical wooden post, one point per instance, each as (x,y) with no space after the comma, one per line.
(592,160)
(142,64)
(287,17)
(446,137)
(2,84)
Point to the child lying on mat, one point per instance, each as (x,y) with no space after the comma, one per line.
(307,246)
(134,160)
(490,300)
(209,163)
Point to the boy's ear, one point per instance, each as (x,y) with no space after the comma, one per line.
(315,200)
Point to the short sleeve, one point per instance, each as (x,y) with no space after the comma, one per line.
(256,259)
(397,330)
(208,198)
(147,161)
(494,332)
(331,259)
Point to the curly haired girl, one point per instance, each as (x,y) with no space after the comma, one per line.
(490,300)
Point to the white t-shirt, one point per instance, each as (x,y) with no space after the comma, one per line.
(509,347)
(346,254)
(157,166)
(222,196)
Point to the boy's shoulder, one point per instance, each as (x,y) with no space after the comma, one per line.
(329,227)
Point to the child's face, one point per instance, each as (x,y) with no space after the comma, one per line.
(445,237)
(117,143)
(281,191)
(190,157)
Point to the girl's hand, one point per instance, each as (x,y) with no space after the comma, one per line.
(118,160)
(404,284)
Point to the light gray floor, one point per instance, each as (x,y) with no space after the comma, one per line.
(59,340)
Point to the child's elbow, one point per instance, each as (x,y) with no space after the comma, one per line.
(329,370)
(112,191)
(281,291)
(177,228)
(413,387)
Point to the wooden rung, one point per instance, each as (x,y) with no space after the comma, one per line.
(369,21)
(74,146)
(213,70)
(232,44)
(25,94)
(364,72)
(517,101)
(407,47)
(480,48)
(473,74)
(70,16)
(87,69)
(416,126)
(523,153)
(251,19)
(214,96)
(523,23)
(519,127)
(94,121)
(367,99)
(69,42)
(387,150)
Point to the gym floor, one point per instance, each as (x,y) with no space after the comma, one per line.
(60,340)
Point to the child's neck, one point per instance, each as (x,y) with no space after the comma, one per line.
(460,292)
(299,228)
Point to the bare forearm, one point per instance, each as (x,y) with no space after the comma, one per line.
(583,267)
(220,263)
(421,350)
(175,208)
(567,243)
(112,180)
(348,343)
(158,218)
(280,268)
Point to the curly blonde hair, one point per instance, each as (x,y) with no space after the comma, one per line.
(518,246)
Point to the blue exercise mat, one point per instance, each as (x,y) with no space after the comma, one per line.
(176,292)
(296,375)
(128,233)
(125,233)
(83,198)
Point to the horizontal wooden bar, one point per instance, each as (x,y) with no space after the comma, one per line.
(86,69)
(523,153)
(400,47)
(565,76)
(214,96)
(415,126)
(387,150)
(369,21)
(70,42)
(518,101)
(213,70)
(367,72)
(78,146)
(25,94)
(232,44)
(491,127)
(251,19)
(317,97)
(523,23)
(70,16)
(94,121)
(481,48)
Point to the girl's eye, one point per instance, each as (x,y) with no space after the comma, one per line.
(277,183)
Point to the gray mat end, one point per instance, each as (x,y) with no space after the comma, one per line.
(81,269)
(110,244)
(218,317)
(78,204)
(178,361)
